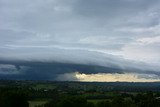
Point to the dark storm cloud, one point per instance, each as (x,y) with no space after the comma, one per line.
(114,35)
(48,71)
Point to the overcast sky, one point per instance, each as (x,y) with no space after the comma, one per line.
(108,33)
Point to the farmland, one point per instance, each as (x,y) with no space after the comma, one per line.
(82,94)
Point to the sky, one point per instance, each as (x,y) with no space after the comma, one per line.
(80,40)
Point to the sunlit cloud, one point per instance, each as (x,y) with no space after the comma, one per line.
(108,77)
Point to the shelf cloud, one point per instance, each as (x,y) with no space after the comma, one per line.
(55,37)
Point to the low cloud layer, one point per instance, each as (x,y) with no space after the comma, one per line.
(120,35)
(108,77)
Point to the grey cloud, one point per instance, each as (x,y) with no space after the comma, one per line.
(151,76)
(88,32)
(110,8)
(9,69)
(67,77)
(74,56)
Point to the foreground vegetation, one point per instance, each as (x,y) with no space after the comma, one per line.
(76,94)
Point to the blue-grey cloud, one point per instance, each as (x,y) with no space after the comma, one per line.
(116,34)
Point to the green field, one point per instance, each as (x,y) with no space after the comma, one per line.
(36,103)
(44,86)
(96,100)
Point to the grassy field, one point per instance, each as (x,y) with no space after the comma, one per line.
(36,103)
(95,100)
(44,86)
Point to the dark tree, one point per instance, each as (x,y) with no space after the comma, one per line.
(13,99)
